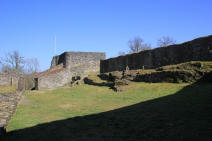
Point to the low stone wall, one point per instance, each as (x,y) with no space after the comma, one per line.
(196,50)
(8,105)
(8,79)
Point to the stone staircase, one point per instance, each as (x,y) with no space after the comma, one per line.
(8,104)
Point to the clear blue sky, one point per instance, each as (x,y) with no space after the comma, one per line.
(29,26)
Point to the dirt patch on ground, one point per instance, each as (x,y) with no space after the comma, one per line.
(24,101)
(66,106)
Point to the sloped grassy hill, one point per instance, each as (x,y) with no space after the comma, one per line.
(188,72)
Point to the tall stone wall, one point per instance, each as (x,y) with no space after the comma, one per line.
(196,50)
(8,79)
(79,62)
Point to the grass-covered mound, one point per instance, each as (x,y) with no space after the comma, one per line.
(181,73)
(185,72)
(147,111)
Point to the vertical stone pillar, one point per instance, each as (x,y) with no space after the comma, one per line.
(21,84)
(67,61)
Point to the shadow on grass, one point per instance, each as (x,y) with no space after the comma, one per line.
(109,84)
(186,115)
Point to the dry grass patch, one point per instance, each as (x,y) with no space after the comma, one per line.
(7,89)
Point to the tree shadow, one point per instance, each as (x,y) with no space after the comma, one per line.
(186,115)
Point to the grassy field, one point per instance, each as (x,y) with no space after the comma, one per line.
(148,111)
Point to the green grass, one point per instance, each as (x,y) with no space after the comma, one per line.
(62,103)
(149,111)
(95,78)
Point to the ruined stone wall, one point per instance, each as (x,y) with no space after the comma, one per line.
(196,50)
(53,78)
(8,105)
(9,99)
(79,62)
(67,65)
(58,60)
(8,79)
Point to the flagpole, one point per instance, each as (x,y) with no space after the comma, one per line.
(54,45)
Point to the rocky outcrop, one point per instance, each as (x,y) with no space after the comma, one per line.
(119,85)
(185,72)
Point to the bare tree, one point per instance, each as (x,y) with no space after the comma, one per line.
(31,65)
(166,41)
(6,69)
(13,62)
(121,53)
(137,45)
(146,47)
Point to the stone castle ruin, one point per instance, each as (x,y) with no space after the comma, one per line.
(65,66)
(69,64)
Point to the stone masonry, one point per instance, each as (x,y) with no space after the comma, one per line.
(9,100)
(199,49)
(8,104)
(8,79)
(67,65)
(79,62)
(52,78)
